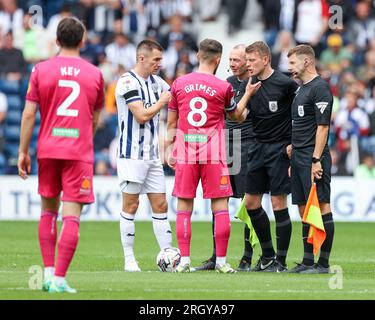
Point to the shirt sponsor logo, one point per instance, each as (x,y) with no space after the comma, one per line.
(85,186)
(203,138)
(224,183)
(322,106)
(301,111)
(273,106)
(65,132)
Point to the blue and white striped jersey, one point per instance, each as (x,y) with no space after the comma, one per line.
(138,141)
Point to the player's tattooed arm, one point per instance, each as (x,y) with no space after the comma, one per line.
(95,121)
(170,138)
(27,127)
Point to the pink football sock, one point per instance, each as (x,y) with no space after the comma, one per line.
(67,244)
(222,232)
(47,234)
(183,231)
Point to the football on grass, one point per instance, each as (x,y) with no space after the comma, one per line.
(168,259)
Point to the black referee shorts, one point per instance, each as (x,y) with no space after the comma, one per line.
(238,175)
(301,176)
(267,169)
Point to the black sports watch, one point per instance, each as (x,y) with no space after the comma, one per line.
(315,160)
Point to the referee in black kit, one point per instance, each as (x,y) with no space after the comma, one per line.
(268,159)
(311,114)
(238,145)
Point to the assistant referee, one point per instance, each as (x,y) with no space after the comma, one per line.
(311,114)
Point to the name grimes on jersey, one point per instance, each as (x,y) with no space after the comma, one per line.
(200,87)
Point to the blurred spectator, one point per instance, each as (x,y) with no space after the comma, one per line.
(176,32)
(361,31)
(367,168)
(366,72)
(121,51)
(53,23)
(236,10)
(338,167)
(182,8)
(312,18)
(10,16)
(3,114)
(134,20)
(93,48)
(103,138)
(351,121)
(12,63)
(178,54)
(31,40)
(283,44)
(209,13)
(110,97)
(335,58)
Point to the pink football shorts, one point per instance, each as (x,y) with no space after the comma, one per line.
(72,177)
(214,177)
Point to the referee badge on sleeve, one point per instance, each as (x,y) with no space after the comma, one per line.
(273,106)
(301,111)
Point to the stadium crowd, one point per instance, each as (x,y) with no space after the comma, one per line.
(345,51)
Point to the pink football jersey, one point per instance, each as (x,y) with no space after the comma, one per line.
(68,91)
(201,101)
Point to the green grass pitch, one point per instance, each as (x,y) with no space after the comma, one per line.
(96,271)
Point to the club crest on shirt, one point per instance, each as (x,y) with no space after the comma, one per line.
(273,106)
(301,111)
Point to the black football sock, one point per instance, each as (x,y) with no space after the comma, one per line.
(261,224)
(308,256)
(325,249)
(213,258)
(283,234)
(248,252)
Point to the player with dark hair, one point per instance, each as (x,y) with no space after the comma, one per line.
(70,95)
(197,111)
(240,137)
(268,161)
(140,95)
(311,159)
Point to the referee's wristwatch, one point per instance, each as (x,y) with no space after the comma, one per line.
(315,160)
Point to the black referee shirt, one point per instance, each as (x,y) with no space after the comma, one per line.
(246,127)
(311,107)
(270,108)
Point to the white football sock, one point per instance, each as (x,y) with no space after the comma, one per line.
(184,260)
(127,230)
(59,281)
(162,230)
(49,272)
(221,261)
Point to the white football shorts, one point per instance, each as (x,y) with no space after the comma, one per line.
(140,176)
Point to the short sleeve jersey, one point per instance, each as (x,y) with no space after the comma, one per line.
(138,141)
(246,127)
(312,107)
(270,108)
(68,91)
(201,101)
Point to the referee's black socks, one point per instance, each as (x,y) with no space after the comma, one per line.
(248,252)
(283,234)
(326,248)
(261,224)
(308,256)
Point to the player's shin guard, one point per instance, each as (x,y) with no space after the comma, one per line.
(222,232)
(67,244)
(183,231)
(162,230)
(47,234)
